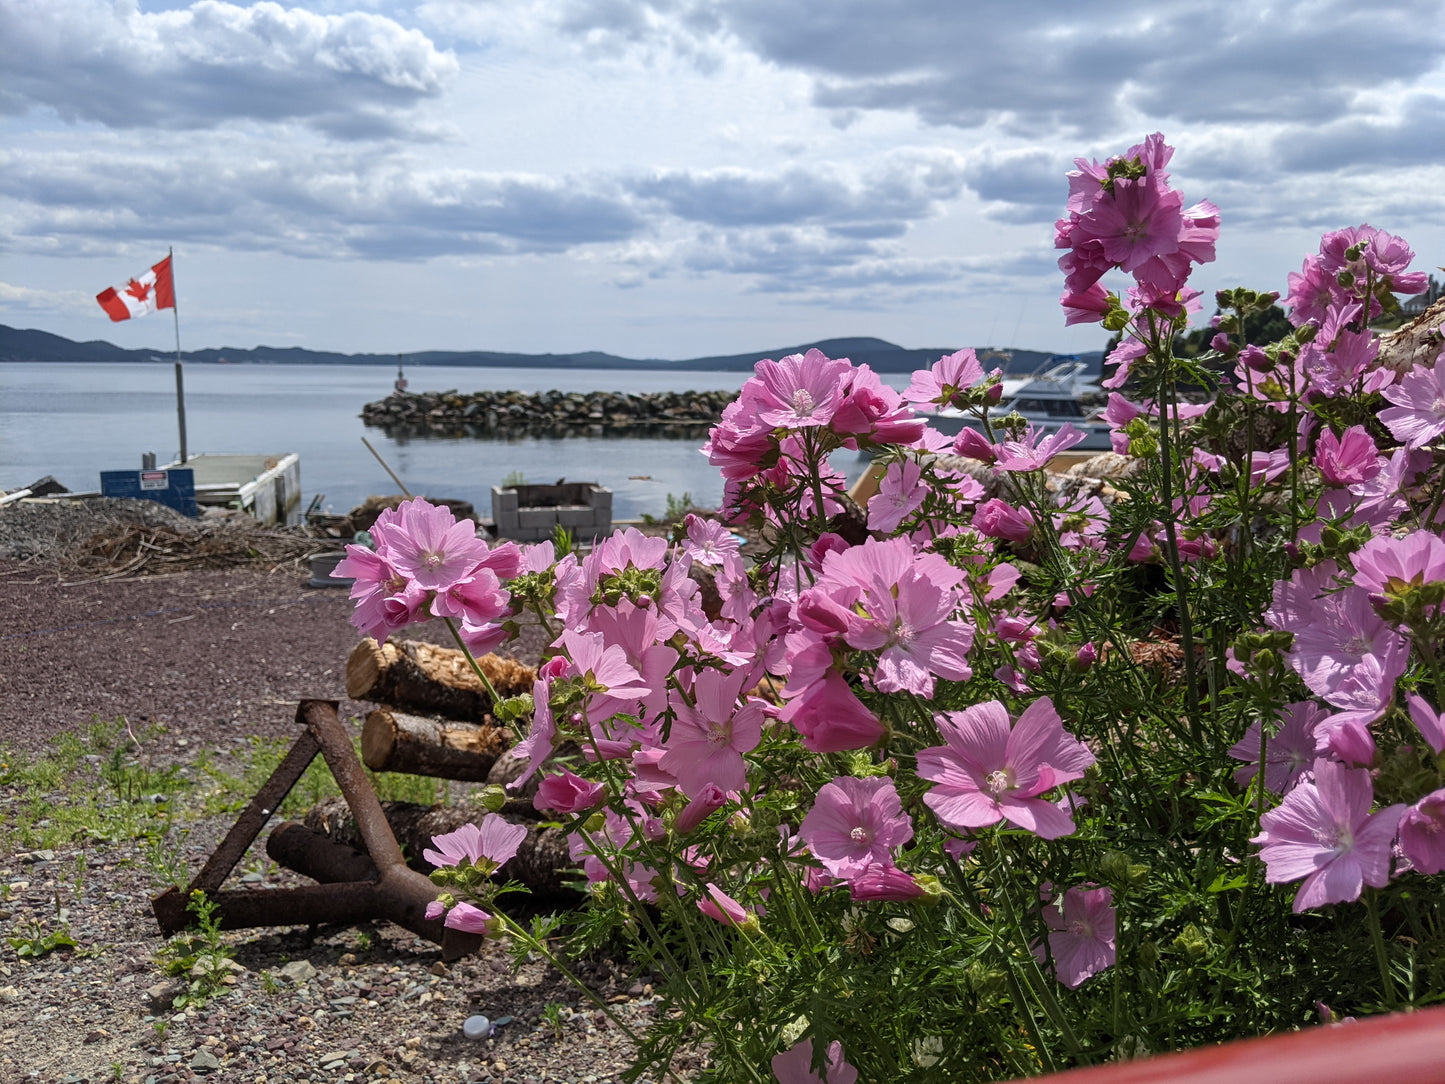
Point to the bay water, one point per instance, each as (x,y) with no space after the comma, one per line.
(75,420)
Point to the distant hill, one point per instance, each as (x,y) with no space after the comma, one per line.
(19,345)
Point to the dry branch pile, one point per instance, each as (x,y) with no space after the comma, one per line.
(124,549)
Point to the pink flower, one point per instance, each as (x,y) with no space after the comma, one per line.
(948,376)
(708,740)
(898,496)
(1081,934)
(1348,459)
(485,847)
(1429,722)
(831,718)
(902,606)
(971,444)
(996,518)
(568,793)
(855,823)
(1387,566)
(874,411)
(1422,833)
(470,919)
(708,801)
(1141,219)
(429,546)
(1324,833)
(1418,414)
(723,908)
(1031,453)
(1286,754)
(795,1066)
(883,881)
(1342,649)
(800,391)
(1087,306)
(988,772)
(707,541)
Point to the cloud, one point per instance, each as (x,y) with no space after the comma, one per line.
(105,62)
(320,205)
(28,299)
(905,187)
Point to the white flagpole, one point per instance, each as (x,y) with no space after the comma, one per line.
(180,381)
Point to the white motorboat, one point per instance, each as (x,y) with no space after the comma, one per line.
(1047,400)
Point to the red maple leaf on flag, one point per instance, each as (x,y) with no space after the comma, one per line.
(137,290)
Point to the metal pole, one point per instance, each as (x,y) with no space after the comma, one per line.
(180,380)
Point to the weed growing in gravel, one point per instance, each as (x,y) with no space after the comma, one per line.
(201,955)
(95,787)
(37,941)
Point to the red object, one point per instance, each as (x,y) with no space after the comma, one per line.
(1406,1048)
(153,290)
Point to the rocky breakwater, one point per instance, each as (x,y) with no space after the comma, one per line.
(553,413)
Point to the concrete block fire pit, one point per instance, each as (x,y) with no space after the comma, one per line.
(529,513)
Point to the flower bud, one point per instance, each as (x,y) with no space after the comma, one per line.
(494,797)
(1192,942)
(1148,953)
(595,823)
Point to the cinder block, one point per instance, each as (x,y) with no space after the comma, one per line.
(577,516)
(536,517)
(602,498)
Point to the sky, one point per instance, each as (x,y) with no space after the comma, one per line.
(675,178)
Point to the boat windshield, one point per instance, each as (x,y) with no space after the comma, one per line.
(1053,408)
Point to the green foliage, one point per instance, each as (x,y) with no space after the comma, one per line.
(201,956)
(36,941)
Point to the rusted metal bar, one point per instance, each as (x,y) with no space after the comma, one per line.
(254,817)
(355,887)
(1407,1048)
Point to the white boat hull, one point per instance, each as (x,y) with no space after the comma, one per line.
(266,487)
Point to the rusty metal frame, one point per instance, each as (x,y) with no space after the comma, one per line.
(353,887)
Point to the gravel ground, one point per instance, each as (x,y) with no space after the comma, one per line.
(213,657)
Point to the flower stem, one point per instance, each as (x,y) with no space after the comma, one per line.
(476,669)
(1378,937)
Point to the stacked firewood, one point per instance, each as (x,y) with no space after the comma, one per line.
(434,718)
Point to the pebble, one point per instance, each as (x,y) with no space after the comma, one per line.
(476,1027)
(204,1059)
(298,971)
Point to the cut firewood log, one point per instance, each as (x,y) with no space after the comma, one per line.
(393,741)
(542,862)
(411,674)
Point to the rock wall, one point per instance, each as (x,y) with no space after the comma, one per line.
(497,413)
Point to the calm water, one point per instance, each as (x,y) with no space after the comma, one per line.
(73,421)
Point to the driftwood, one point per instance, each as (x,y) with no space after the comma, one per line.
(392,741)
(410,674)
(542,862)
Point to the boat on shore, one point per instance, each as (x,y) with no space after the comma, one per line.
(265,487)
(1048,400)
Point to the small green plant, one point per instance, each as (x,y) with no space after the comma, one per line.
(676,511)
(552,1013)
(269,983)
(363,941)
(200,955)
(117,1070)
(513,479)
(38,941)
(160,1027)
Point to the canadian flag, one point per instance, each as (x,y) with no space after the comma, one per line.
(145,293)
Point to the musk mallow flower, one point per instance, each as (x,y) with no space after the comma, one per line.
(1349,459)
(1388,567)
(1081,934)
(899,495)
(484,847)
(1417,413)
(1422,833)
(1428,721)
(795,1065)
(855,824)
(1287,754)
(431,547)
(710,736)
(1324,834)
(948,376)
(989,771)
